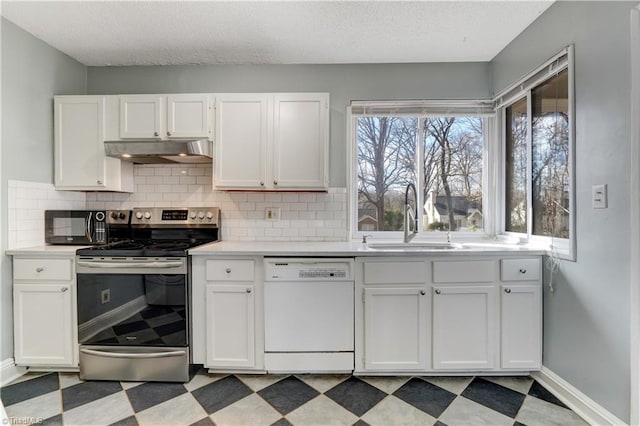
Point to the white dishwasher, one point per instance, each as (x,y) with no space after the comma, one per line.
(308,309)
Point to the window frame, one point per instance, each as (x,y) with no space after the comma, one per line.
(564,248)
(421,109)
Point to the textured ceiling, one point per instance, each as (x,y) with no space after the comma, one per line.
(100,33)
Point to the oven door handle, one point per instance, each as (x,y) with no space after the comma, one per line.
(149,265)
(133,355)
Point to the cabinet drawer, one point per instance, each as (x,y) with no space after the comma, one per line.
(395,272)
(463,271)
(520,269)
(230,270)
(43,269)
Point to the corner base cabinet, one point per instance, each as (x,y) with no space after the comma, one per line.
(448,315)
(226,303)
(44,316)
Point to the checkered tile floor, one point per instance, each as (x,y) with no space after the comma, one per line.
(61,398)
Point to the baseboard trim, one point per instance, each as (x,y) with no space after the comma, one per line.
(88,329)
(592,412)
(9,371)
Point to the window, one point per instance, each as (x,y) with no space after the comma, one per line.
(441,154)
(538,172)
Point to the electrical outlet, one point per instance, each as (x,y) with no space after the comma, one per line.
(272,213)
(105,296)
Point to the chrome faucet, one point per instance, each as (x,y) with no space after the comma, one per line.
(409,213)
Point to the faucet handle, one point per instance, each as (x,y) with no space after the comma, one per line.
(364,238)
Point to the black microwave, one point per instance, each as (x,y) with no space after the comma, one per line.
(77,227)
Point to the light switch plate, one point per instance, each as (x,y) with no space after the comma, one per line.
(599,196)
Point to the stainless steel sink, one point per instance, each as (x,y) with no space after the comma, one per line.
(415,246)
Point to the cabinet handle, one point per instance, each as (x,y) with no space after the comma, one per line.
(63,289)
(39,269)
(522,271)
(156,134)
(422,292)
(438,291)
(248,290)
(228,270)
(168,133)
(507,290)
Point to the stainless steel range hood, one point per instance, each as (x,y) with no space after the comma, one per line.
(157,152)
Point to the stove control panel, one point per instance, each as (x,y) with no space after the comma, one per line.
(120,217)
(176,216)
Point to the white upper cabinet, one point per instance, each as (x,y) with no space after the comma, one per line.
(164,117)
(241,141)
(272,141)
(300,140)
(80,162)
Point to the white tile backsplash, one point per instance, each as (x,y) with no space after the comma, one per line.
(304,216)
(27,202)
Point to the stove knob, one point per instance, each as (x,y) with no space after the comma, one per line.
(138,215)
(209,215)
(114,215)
(121,216)
(193,214)
(201,215)
(147,215)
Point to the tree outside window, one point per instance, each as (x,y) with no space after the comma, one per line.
(450,156)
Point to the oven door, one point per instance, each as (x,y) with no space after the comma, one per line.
(133,318)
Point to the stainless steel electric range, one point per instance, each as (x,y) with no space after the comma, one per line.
(133,294)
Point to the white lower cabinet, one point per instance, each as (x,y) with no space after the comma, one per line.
(463,327)
(395,335)
(44,313)
(227,314)
(230,325)
(446,315)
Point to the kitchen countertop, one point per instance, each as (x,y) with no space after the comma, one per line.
(50,251)
(309,248)
(350,248)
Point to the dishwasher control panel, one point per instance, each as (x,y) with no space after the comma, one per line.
(279,269)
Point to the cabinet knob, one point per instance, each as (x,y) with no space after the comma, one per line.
(39,269)
(507,290)
(522,271)
(63,289)
(422,292)
(261,183)
(99,182)
(228,270)
(248,290)
(275,182)
(156,134)
(438,291)
(168,133)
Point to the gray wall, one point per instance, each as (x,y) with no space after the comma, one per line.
(32,73)
(587,318)
(343,82)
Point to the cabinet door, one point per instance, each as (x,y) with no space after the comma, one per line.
(241,141)
(301,140)
(463,327)
(230,328)
(43,325)
(188,116)
(521,327)
(78,141)
(395,328)
(141,117)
